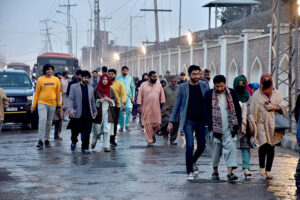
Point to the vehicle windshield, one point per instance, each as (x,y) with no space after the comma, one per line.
(14,80)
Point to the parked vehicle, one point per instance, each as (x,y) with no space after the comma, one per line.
(19,90)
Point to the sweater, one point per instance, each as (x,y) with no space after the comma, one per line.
(47,91)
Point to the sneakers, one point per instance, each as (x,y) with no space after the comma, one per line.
(196,170)
(190,177)
(39,146)
(73,147)
(93,145)
(47,144)
(85,151)
(127,129)
(215,176)
(231,177)
(173,143)
(107,150)
(121,130)
(113,143)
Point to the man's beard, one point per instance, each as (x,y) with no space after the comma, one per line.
(112,79)
(194,80)
(84,82)
(208,78)
(153,80)
(124,74)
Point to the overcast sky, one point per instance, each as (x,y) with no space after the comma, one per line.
(20,26)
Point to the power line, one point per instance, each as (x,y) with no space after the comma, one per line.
(116,10)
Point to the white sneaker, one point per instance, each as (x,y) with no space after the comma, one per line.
(190,177)
(196,170)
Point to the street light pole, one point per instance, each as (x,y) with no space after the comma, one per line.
(131,17)
(71,27)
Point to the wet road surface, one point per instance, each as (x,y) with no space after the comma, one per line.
(132,171)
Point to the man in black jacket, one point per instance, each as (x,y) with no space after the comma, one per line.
(75,79)
(223,117)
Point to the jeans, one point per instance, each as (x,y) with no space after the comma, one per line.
(123,121)
(246,154)
(298,131)
(46,114)
(189,129)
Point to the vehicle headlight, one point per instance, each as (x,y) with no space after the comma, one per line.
(29,98)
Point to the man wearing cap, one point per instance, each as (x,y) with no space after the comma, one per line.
(182,77)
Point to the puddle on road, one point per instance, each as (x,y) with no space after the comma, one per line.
(107,164)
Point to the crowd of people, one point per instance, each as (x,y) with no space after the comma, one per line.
(201,108)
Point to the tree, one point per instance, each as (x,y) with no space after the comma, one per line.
(230,14)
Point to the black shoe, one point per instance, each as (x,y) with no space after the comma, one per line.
(154,139)
(215,176)
(57,138)
(93,145)
(231,177)
(113,143)
(173,143)
(39,146)
(47,144)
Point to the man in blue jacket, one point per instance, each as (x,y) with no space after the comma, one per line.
(190,105)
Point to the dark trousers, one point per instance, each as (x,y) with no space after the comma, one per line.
(85,139)
(174,133)
(264,151)
(189,128)
(117,113)
(57,128)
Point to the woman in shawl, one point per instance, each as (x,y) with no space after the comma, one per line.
(265,102)
(105,99)
(243,95)
(247,85)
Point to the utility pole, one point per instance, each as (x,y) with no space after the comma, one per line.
(131,17)
(97,31)
(155,10)
(179,18)
(103,38)
(48,39)
(69,27)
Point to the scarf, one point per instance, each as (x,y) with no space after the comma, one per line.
(244,95)
(216,113)
(104,89)
(247,85)
(266,91)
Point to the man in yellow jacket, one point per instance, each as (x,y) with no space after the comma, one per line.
(120,92)
(47,96)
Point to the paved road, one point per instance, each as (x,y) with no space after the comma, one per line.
(131,172)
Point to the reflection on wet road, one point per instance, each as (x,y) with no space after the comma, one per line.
(133,171)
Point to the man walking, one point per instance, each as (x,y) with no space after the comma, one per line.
(94,80)
(151,97)
(64,87)
(75,79)
(120,93)
(182,78)
(223,116)
(82,110)
(190,105)
(47,96)
(129,87)
(170,91)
